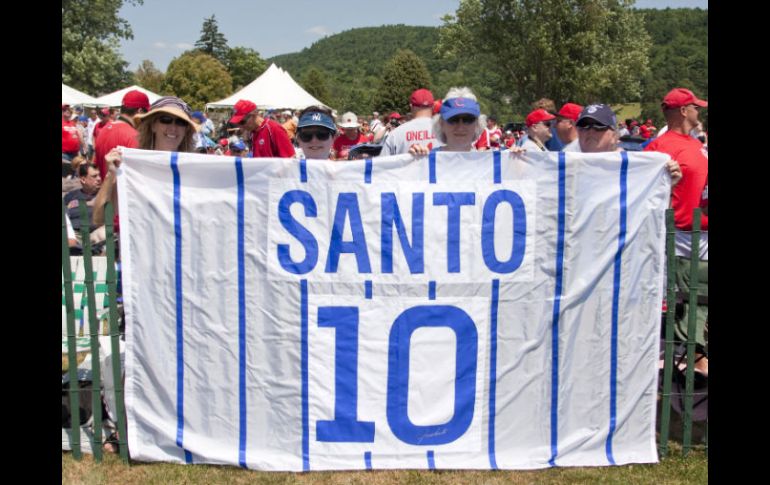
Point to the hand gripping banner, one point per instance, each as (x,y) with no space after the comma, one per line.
(458,311)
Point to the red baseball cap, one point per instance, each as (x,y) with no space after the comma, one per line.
(242,108)
(65,107)
(570,110)
(437,106)
(537,116)
(224,142)
(422,98)
(678,97)
(105,111)
(136,99)
(394,115)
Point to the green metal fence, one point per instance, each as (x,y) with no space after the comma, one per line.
(96,441)
(94,331)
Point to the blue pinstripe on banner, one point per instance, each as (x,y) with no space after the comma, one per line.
(431,460)
(241,318)
(368,171)
(493,371)
(432,167)
(303,170)
(305,395)
(556,309)
(615,306)
(498,167)
(179,307)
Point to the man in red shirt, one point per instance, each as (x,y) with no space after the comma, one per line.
(267,137)
(350,136)
(71,140)
(120,132)
(680,107)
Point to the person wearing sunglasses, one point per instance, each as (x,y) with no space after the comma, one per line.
(457,125)
(168,126)
(538,130)
(315,133)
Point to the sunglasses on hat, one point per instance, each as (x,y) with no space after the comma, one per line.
(466,120)
(307,135)
(167,120)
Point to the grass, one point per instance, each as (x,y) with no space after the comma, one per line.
(672,470)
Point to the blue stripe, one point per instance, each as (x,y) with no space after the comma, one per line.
(368,460)
(179,308)
(431,462)
(432,166)
(493,370)
(303,170)
(368,289)
(615,306)
(241,317)
(498,168)
(431,290)
(368,171)
(556,308)
(305,415)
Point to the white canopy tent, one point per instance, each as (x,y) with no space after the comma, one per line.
(74,97)
(116,98)
(274,89)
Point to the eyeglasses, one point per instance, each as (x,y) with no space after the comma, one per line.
(594,127)
(167,120)
(322,135)
(547,124)
(466,120)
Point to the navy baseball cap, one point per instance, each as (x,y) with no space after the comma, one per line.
(600,113)
(317,118)
(238,145)
(459,106)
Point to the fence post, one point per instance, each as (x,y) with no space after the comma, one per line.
(96,384)
(72,349)
(692,315)
(668,358)
(117,372)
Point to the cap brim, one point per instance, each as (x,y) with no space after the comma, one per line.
(602,123)
(701,103)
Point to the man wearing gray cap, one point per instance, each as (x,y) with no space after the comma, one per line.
(596,129)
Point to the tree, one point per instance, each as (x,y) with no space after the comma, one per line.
(314,83)
(402,74)
(567,50)
(244,65)
(91,30)
(212,41)
(197,78)
(149,77)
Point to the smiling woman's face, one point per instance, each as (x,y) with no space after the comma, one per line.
(310,140)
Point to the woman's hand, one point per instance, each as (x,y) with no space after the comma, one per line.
(114,158)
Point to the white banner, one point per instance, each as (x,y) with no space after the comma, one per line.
(459,311)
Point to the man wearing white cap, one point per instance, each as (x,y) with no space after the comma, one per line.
(350,136)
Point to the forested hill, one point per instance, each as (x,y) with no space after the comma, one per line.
(351,62)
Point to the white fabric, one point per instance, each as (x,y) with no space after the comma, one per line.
(183,308)
(74,97)
(273,89)
(116,98)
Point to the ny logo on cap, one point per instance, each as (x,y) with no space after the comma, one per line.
(316,117)
(592,108)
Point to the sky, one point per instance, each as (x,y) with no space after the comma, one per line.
(163,29)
